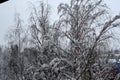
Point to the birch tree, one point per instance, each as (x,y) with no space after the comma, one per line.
(89,25)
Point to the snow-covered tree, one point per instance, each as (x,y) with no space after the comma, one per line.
(16,34)
(84,25)
(89,31)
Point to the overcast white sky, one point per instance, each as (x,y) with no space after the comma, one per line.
(8,9)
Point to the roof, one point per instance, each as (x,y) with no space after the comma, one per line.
(2,1)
